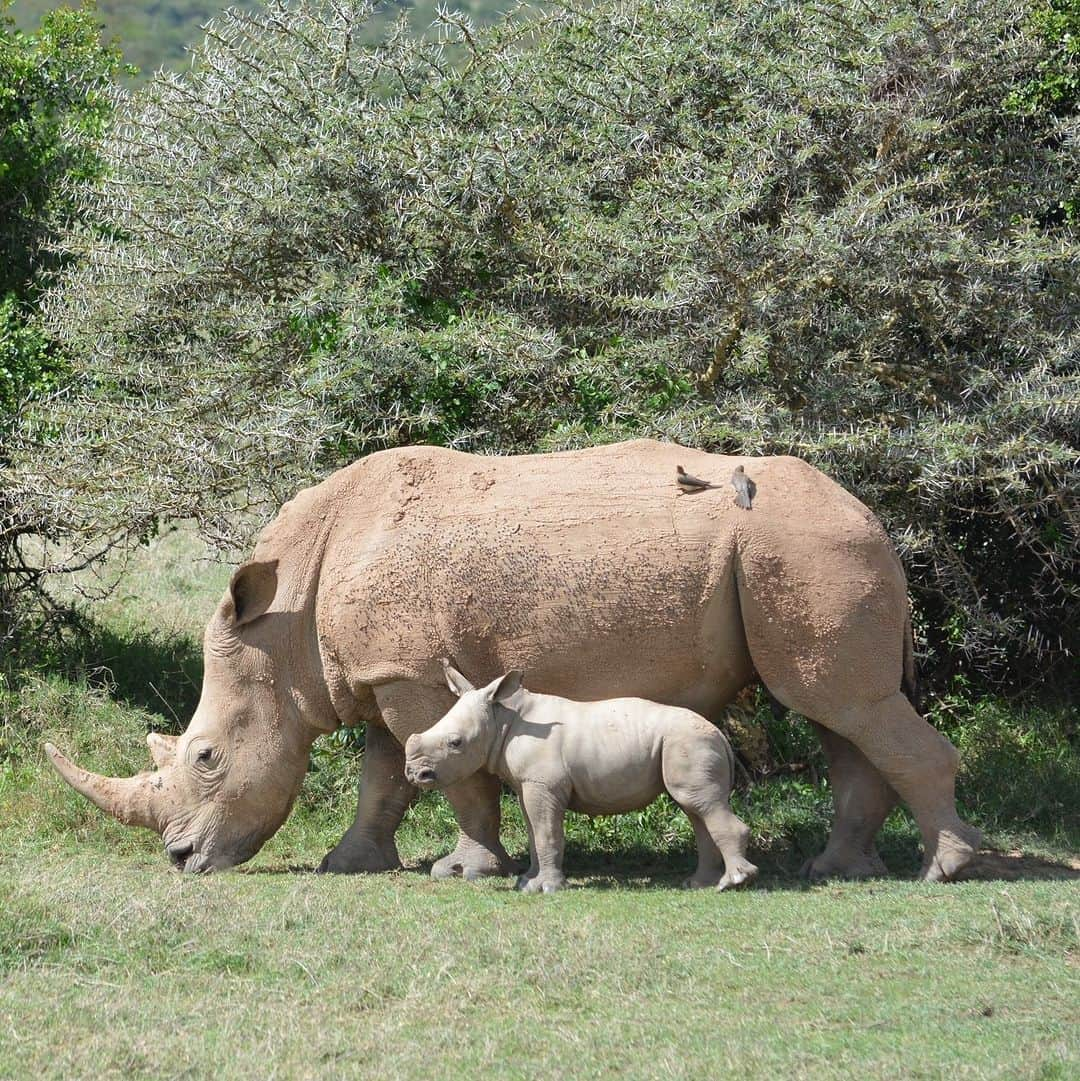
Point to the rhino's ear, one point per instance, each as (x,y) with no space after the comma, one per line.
(455,680)
(162,748)
(507,687)
(252,590)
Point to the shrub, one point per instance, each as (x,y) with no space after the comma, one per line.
(757,227)
(54,103)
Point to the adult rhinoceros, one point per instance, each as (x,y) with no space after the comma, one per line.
(590,570)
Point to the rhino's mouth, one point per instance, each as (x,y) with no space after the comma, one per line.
(179,853)
(183,857)
(422,776)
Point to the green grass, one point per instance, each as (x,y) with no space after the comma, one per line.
(113,966)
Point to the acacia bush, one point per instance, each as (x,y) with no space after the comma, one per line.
(760,227)
(54,103)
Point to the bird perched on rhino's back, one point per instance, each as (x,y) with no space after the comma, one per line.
(688,483)
(745,488)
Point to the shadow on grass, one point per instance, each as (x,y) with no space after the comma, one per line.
(1016,865)
(290,869)
(150,671)
(639,868)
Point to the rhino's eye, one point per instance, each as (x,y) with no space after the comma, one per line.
(454,742)
(204,756)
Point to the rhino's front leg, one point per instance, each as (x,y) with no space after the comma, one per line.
(407,707)
(545,812)
(534,867)
(479,852)
(368,844)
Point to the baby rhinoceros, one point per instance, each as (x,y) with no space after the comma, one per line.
(596,757)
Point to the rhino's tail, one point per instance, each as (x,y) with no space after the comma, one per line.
(909,681)
(730,752)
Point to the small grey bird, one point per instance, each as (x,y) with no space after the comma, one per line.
(688,483)
(745,488)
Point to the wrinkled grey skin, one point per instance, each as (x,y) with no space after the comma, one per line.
(596,757)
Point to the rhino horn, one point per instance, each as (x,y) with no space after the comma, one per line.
(131,800)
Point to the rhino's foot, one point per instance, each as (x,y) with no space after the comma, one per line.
(850,863)
(737,873)
(549,882)
(473,861)
(956,849)
(356,857)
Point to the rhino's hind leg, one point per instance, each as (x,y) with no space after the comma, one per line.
(731,835)
(368,844)
(700,782)
(862,800)
(919,763)
(721,841)
(710,864)
(478,852)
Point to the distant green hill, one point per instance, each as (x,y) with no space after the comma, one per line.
(156,33)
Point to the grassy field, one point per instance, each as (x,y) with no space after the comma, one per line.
(113,966)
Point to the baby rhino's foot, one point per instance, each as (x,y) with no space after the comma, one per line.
(543,882)
(737,873)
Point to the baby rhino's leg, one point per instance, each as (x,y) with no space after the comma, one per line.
(534,864)
(697,773)
(544,810)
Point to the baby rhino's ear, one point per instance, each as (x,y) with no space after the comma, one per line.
(507,687)
(455,680)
